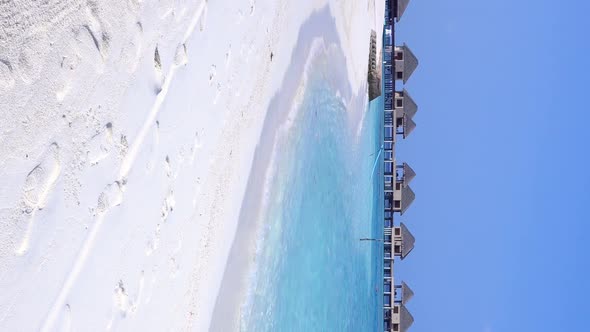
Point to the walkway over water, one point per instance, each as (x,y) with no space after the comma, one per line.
(398,110)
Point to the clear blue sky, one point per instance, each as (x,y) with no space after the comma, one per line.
(503,161)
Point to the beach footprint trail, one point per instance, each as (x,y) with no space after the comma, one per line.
(181,56)
(159,74)
(39,183)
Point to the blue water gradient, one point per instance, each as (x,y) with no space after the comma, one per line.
(312,273)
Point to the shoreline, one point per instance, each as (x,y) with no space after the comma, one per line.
(317,37)
(127,160)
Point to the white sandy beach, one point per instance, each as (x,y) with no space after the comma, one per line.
(127,136)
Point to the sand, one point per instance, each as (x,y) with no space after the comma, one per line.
(127,137)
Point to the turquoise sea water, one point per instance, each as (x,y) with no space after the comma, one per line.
(312,273)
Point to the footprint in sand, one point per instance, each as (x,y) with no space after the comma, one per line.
(181,57)
(100,37)
(168,167)
(6,75)
(167,206)
(27,70)
(111,196)
(89,47)
(123,146)
(159,74)
(100,146)
(100,41)
(39,183)
(252,7)
(123,303)
(212,73)
(69,63)
(131,54)
(88,44)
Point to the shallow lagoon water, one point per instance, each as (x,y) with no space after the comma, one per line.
(312,273)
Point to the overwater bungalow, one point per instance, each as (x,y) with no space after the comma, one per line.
(397,192)
(404,111)
(396,317)
(398,242)
(405,62)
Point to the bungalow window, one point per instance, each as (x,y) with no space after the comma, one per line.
(387,203)
(399,122)
(387,287)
